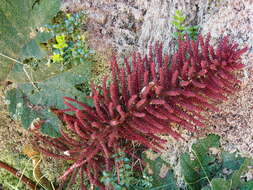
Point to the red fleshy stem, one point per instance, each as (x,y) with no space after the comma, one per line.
(27,181)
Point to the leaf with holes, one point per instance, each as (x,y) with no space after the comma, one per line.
(162,174)
(197,171)
(45,95)
(208,171)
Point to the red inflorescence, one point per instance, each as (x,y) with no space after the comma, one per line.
(145,99)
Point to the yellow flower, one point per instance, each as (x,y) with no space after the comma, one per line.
(68,15)
(57,58)
(61,43)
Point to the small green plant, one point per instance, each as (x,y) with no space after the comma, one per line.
(178,20)
(209,168)
(69,47)
(123,177)
(64,41)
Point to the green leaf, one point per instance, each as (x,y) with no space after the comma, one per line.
(161,183)
(206,188)
(24,73)
(181,28)
(51,125)
(201,148)
(206,171)
(18,23)
(236,177)
(203,166)
(57,58)
(15,103)
(18,108)
(247,186)
(175,34)
(176,23)
(179,16)
(47,94)
(219,184)
(28,116)
(191,171)
(231,161)
(50,92)
(34,48)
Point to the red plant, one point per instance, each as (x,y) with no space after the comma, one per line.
(145,99)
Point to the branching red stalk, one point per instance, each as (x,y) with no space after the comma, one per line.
(145,99)
(27,181)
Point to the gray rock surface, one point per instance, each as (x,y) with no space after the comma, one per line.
(132,25)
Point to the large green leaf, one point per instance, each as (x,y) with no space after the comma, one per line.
(18,23)
(167,181)
(50,92)
(235,181)
(247,186)
(231,161)
(34,48)
(219,184)
(206,171)
(197,171)
(45,95)
(43,87)
(19,109)
(236,177)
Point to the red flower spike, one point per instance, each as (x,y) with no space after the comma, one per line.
(131,84)
(172,93)
(140,104)
(162,77)
(105,91)
(153,71)
(153,111)
(146,78)
(138,114)
(128,69)
(114,94)
(132,101)
(123,85)
(139,127)
(143,100)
